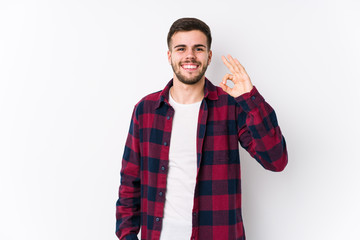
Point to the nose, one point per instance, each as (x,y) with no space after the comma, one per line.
(190,54)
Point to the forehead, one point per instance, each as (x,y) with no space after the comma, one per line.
(188,38)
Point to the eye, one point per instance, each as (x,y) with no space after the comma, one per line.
(199,49)
(181,49)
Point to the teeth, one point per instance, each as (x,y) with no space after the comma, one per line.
(189,66)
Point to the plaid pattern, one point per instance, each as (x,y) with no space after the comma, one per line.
(223,122)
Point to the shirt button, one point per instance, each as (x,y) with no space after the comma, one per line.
(160,194)
(194,214)
(157,219)
(162,168)
(168,117)
(165,144)
(253,97)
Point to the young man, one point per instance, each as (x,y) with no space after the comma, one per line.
(180,176)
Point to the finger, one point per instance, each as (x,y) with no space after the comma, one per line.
(242,69)
(227,76)
(228,65)
(226,88)
(233,63)
(230,77)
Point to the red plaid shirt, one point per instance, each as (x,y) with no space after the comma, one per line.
(223,122)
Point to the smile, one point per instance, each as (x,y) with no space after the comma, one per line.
(190,66)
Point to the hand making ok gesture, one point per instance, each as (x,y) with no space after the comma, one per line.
(239,77)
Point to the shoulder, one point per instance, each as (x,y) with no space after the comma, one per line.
(150,98)
(147,103)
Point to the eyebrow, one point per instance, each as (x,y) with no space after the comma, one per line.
(196,45)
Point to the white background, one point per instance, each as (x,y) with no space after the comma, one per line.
(71,72)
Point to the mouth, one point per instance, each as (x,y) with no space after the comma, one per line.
(190,66)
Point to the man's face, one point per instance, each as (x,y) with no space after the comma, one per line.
(189,56)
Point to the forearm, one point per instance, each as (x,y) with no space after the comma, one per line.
(128,213)
(128,203)
(260,135)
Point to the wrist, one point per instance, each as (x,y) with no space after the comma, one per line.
(246,88)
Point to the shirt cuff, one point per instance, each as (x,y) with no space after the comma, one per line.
(250,100)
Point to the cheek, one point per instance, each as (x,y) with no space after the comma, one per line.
(175,59)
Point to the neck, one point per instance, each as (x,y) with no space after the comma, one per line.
(186,94)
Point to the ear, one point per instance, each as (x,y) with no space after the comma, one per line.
(210,56)
(169,56)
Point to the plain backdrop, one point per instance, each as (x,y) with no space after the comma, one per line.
(71,72)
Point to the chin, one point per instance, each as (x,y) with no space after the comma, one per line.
(191,81)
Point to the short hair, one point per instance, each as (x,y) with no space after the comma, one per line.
(189,24)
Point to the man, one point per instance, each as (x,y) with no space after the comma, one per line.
(180,176)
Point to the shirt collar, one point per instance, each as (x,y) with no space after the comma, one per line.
(210,92)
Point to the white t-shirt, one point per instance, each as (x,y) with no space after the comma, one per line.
(181,178)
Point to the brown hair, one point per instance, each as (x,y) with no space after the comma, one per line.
(189,24)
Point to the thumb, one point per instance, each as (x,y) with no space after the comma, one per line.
(223,85)
(226,88)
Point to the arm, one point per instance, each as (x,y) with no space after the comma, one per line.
(259,132)
(128,204)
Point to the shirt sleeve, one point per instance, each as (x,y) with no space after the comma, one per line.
(260,133)
(128,204)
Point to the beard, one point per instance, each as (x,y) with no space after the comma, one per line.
(192,79)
